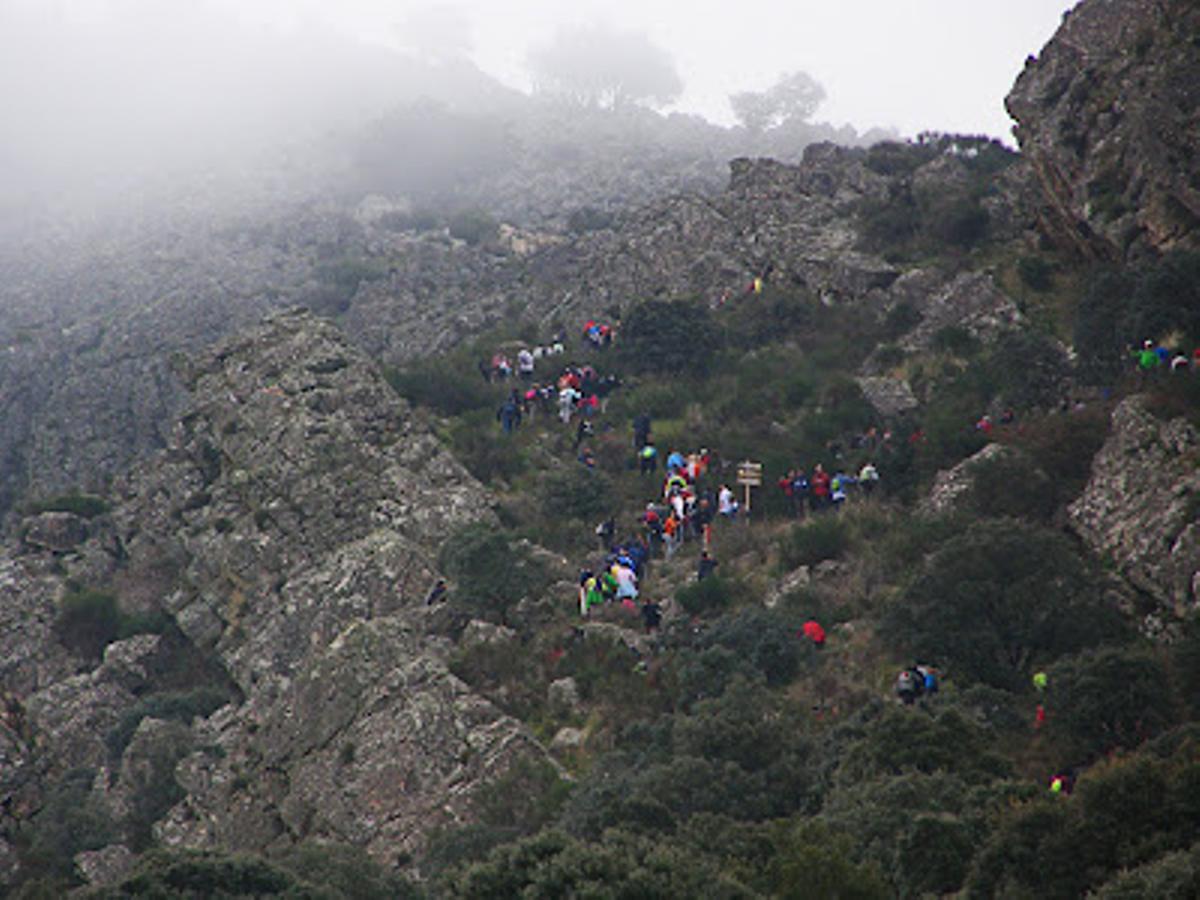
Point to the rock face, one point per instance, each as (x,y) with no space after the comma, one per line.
(1141,508)
(1109,121)
(291,529)
(952,486)
(298,511)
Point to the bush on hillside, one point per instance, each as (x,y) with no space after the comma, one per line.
(1036,273)
(490,573)
(669,336)
(450,387)
(1000,599)
(85,506)
(69,821)
(178,706)
(708,595)
(576,493)
(764,639)
(1105,700)
(825,537)
(473,226)
(1121,308)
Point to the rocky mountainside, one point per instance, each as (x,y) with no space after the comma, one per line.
(1109,121)
(290,530)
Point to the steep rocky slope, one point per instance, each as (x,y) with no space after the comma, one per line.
(1109,119)
(291,530)
(1141,509)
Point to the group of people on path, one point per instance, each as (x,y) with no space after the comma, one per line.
(1155,356)
(821,490)
(576,391)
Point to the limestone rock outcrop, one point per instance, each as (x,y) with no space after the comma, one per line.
(1141,508)
(1109,120)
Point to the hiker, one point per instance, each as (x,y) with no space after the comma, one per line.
(567,397)
(820,488)
(437,593)
(647,458)
(651,616)
(525,364)
(675,462)
(626,582)
(800,487)
(1040,680)
(509,414)
(641,430)
(605,531)
(837,488)
(1039,717)
(928,676)
(984,425)
(706,566)
(1179,363)
(671,531)
(814,632)
(485,371)
(868,476)
(587,457)
(906,687)
(1062,783)
(584,430)
(1147,357)
(727,506)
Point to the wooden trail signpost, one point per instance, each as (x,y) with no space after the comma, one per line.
(749,474)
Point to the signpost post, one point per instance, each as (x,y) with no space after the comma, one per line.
(749,474)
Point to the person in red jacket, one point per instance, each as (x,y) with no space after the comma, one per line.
(820,487)
(814,632)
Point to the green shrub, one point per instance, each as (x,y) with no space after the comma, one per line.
(957,341)
(1036,273)
(476,441)
(473,226)
(448,386)
(1000,599)
(347,273)
(191,873)
(588,218)
(1007,485)
(343,871)
(1106,700)
(825,537)
(69,821)
(179,706)
(575,493)
(1174,876)
(708,595)
(489,572)
(762,638)
(87,622)
(83,505)
(669,336)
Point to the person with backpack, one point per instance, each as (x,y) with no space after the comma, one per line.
(647,458)
(651,616)
(605,532)
(868,477)
(509,415)
(706,567)
(906,687)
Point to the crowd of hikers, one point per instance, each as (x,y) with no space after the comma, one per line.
(689,501)
(1152,356)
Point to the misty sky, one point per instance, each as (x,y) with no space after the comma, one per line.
(98,94)
(911,65)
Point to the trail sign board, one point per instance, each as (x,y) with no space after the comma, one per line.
(749,474)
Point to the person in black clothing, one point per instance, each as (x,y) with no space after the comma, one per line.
(437,594)
(706,567)
(641,430)
(651,615)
